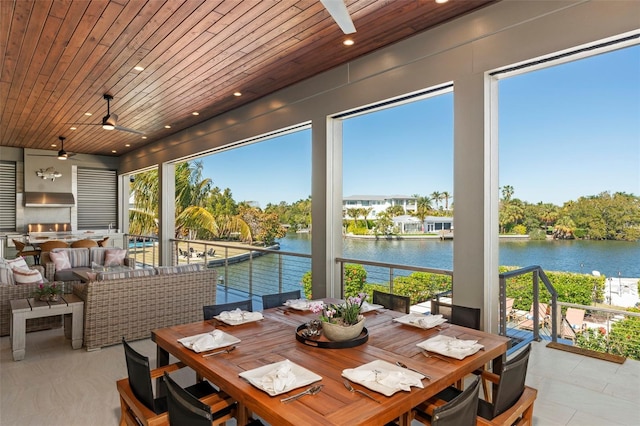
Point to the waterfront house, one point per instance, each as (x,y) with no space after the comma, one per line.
(376,204)
(62,57)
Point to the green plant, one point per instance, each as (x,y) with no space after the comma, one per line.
(47,291)
(347,313)
(355,277)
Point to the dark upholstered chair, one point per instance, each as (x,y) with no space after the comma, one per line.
(457,314)
(460,411)
(392,301)
(211,311)
(186,410)
(277,299)
(137,402)
(512,400)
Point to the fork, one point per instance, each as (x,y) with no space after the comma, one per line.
(310,391)
(428,355)
(352,389)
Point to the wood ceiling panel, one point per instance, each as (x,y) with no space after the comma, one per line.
(58,57)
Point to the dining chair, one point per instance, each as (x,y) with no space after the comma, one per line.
(138,404)
(84,243)
(24,251)
(460,411)
(186,410)
(512,399)
(394,302)
(49,245)
(211,311)
(277,299)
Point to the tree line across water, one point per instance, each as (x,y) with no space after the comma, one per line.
(206,212)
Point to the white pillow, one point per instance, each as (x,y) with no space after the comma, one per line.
(27,276)
(114,257)
(18,262)
(61,260)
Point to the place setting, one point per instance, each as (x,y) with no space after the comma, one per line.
(238,317)
(448,346)
(282,377)
(204,342)
(384,377)
(422,321)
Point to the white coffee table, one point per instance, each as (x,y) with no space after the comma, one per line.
(24,309)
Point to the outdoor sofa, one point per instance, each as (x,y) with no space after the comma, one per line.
(132,304)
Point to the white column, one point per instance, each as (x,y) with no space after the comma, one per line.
(475,248)
(166,211)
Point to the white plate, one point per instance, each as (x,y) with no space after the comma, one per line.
(225,340)
(451,347)
(352,374)
(414,320)
(252,318)
(368,307)
(303,376)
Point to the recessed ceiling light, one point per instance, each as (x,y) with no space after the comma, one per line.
(144,137)
(127,144)
(88,114)
(348,42)
(114,151)
(138,68)
(73,128)
(237,93)
(53,145)
(195,113)
(441,1)
(167,127)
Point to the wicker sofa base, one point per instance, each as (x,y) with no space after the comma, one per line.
(133,307)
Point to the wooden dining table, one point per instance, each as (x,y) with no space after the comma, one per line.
(273,339)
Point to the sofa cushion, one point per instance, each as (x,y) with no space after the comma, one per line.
(61,260)
(27,276)
(134,273)
(168,270)
(114,257)
(79,257)
(6,273)
(97,254)
(18,262)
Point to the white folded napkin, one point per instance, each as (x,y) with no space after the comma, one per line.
(394,379)
(297,303)
(278,379)
(253,316)
(206,341)
(235,315)
(450,346)
(430,321)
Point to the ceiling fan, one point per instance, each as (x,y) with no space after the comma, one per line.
(62,154)
(110,121)
(338,11)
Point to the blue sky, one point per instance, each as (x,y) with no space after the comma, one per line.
(564,132)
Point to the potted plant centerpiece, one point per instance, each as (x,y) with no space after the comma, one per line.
(46,292)
(341,322)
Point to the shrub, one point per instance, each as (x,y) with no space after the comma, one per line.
(520,230)
(537,235)
(355,277)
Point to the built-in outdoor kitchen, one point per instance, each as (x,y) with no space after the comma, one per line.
(49,200)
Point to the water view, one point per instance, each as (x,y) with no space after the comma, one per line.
(581,256)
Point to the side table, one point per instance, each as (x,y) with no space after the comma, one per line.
(24,309)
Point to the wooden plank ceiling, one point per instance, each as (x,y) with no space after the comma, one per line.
(58,58)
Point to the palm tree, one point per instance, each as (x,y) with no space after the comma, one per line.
(507,193)
(192,192)
(436,197)
(446,197)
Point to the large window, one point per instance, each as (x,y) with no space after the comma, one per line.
(569,146)
(97,198)
(398,158)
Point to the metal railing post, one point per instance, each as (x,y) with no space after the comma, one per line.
(536,307)
(280,271)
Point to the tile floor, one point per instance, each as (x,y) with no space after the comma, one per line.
(55,385)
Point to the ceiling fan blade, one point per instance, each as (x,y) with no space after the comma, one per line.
(338,11)
(126,129)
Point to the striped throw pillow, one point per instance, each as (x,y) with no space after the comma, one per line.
(27,276)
